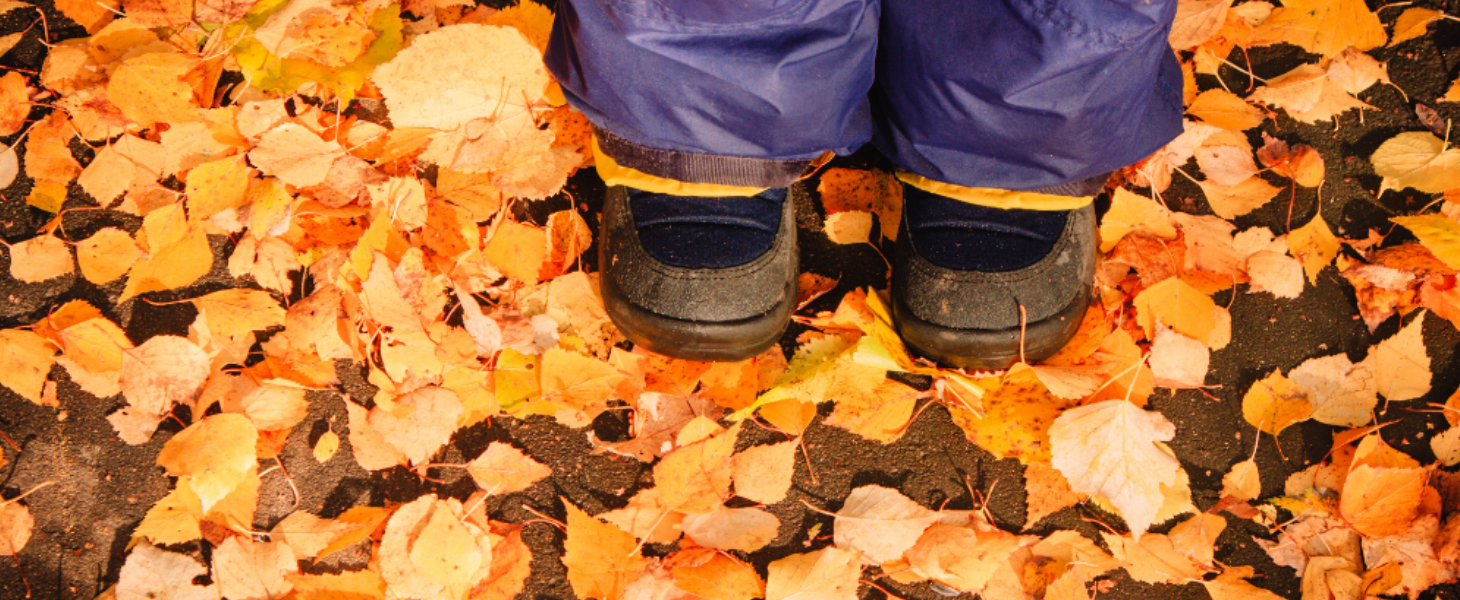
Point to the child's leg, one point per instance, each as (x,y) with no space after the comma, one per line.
(1008,115)
(705,112)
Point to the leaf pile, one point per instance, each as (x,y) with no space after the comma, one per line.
(343,177)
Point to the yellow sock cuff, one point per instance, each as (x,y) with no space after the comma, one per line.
(996,198)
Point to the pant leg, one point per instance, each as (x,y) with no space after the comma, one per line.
(1045,95)
(738,93)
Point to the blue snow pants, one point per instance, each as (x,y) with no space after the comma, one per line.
(1037,95)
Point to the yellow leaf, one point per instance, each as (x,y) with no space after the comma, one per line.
(1419,160)
(1242,481)
(1307,93)
(850,227)
(91,15)
(295,155)
(1197,21)
(46,195)
(213,455)
(216,186)
(1154,559)
(440,81)
(503,469)
(829,573)
(47,152)
(173,520)
(696,478)
(719,578)
(1401,363)
(235,312)
(1274,403)
(1179,306)
(149,89)
(872,191)
(1129,213)
(1197,537)
(130,163)
(173,266)
(96,344)
(1110,449)
(40,258)
(1315,245)
(419,423)
(601,559)
(880,413)
(1224,109)
(1232,202)
(1380,501)
(880,523)
(1414,22)
(106,255)
(1016,420)
(326,446)
(25,362)
(1438,233)
(1324,27)
(763,473)
(534,20)
(579,381)
(517,250)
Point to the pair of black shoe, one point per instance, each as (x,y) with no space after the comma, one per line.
(972,287)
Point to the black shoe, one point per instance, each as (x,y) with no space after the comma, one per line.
(699,278)
(962,272)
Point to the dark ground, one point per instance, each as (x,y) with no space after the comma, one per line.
(104,487)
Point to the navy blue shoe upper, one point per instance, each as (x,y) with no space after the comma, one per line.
(706,232)
(957,235)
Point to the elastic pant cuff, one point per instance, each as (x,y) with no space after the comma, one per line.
(693,167)
(1067,196)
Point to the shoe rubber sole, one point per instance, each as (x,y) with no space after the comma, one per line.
(719,341)
(983,349)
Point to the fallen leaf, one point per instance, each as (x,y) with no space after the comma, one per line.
(696,478)
(1245,197)
(961,557)
(1220,107)
(1197,21)
(850,227)
(419,423)
(1046,491)
(719,578)
(25,362)
(1242,481)
(1275,402)
(1401,364)
(1439,234)
(1130,213)
(15,527)
(1178,361)
(826,574)
(1412,23)
(1110,449)
(153,574)
(40,258)
(1323,27)
(503,469)
(249,570)
(763,473)
(601,560)
(744,529)
(1197,537)
(1315,245)
(1300,162)
(1307,94)
(295,155)
(107,255)
(1179,306)
(880,523)
(1342,393)
(1379,501)
(1154,559)
(1419,160)
(438,81)
(1275,273)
